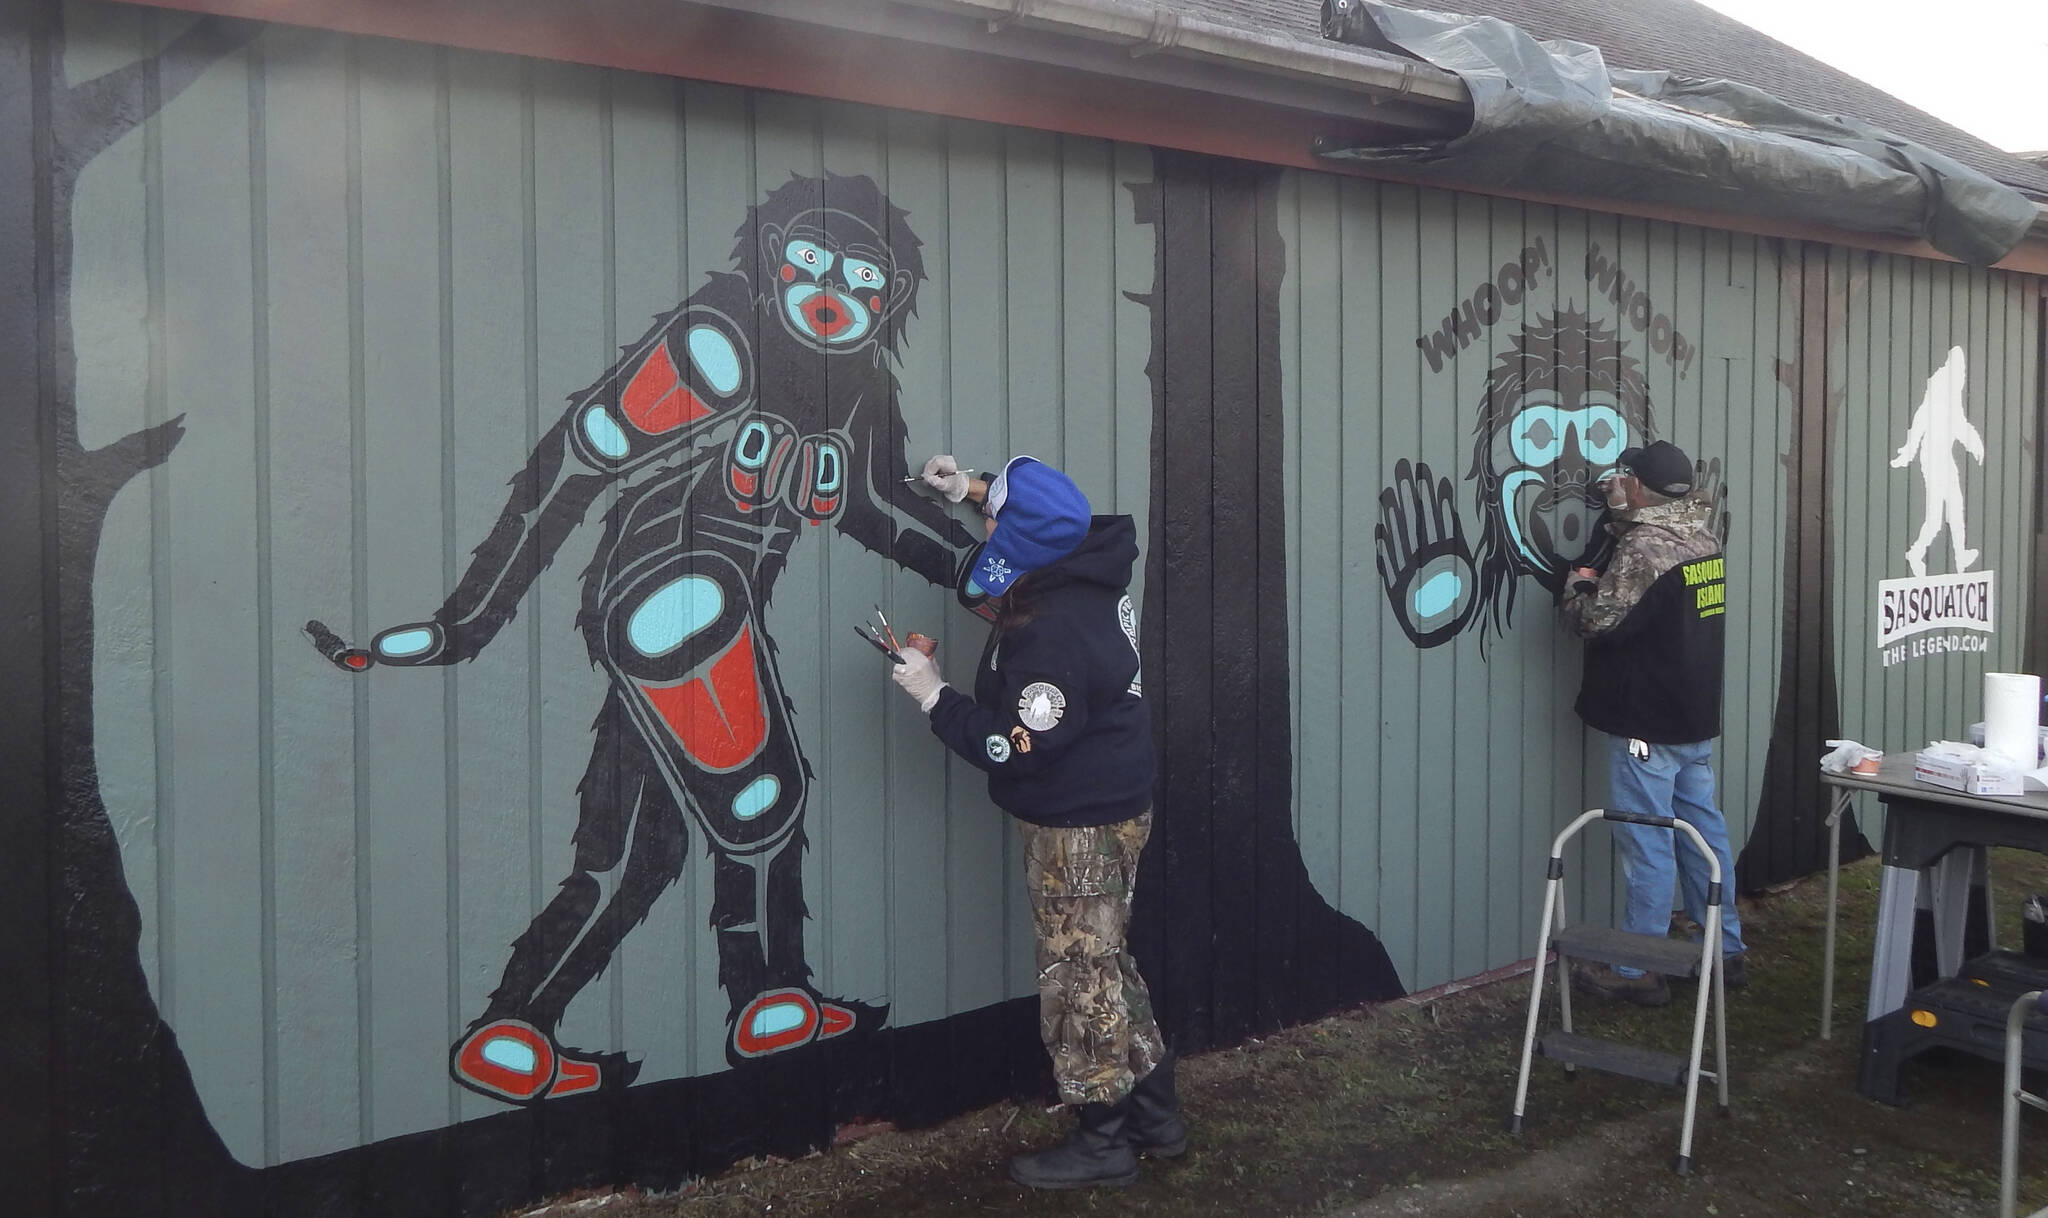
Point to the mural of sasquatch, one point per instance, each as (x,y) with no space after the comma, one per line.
(1560,406)
(761,407)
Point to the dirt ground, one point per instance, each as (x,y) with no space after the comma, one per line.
(1398,1109)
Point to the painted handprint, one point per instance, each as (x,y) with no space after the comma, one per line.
(1424,560)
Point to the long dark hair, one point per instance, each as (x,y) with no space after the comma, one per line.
(1019,605)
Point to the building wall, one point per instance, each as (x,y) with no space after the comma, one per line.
(368,274)
(325,301)
(1459,760)
(1892,324)
(1434,773)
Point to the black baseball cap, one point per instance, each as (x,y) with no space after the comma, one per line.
(1662,467)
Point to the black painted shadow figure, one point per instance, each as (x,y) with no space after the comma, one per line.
(102,1116)
(1228,926)
(760,408)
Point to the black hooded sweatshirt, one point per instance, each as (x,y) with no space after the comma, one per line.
(1057,718)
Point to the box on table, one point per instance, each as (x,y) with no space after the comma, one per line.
(1966,776)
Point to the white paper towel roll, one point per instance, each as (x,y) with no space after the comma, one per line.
(2012,716)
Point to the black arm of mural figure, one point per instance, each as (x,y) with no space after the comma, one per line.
(549,498)
(887,515)
(1425,563)
(674,392)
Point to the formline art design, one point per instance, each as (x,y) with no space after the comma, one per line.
(760,408)
(1940,423)
(1561,404)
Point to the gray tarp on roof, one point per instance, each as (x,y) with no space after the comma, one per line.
(1553,117)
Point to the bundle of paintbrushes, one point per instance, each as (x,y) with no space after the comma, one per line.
(891,648)
(884,639)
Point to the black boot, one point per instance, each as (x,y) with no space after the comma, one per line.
(1095,1152)
(1152,1122)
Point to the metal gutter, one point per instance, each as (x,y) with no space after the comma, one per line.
(1142,29)
(1148,27)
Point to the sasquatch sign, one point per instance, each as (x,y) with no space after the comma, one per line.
(761,407)
(1561,403)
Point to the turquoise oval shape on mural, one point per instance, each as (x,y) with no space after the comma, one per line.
(715,358)
(779,1018)
(1438,594)
(605,436)
(674,613)
(406,642)
(509,1053)
(758,797)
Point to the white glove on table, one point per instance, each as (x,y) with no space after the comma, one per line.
(918,674)
(942,473)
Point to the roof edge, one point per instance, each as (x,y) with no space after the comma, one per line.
(1209,89)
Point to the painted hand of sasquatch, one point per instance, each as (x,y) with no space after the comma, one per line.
(338,653)
(1425,563)
(942,473)
(918,674)
(1706,480)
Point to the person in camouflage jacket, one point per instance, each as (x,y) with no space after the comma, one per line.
(1058,721)
(1654,626)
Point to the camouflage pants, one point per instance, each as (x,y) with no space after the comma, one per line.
(1094,1012)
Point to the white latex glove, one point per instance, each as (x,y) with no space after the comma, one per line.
(1843,755)
(918,674)
(942,473)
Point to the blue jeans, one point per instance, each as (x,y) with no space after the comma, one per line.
(1676,780)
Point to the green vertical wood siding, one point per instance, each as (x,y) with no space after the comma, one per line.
(1431,781)
(1891,326)
(368,273)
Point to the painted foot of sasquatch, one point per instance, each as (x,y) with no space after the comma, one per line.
(514,1061)
(792,1016)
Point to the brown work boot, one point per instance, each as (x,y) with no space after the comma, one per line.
(1601,981)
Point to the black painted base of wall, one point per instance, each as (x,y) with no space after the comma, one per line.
(660,1135)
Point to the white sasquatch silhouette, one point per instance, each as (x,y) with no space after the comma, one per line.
(1939,424)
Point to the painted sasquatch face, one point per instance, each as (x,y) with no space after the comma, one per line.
(833,278)
(1549,458)
(1560,409)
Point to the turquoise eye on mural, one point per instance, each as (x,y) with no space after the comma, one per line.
(865,275)
(1537,435)
(814,259)
(752,450)
(1603,433)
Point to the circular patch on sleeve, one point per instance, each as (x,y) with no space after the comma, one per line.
(1041,705)
(998,749)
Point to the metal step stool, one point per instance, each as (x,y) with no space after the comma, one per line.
(1606,945)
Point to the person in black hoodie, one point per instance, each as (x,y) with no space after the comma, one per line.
(1654,624)
(1059,723)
